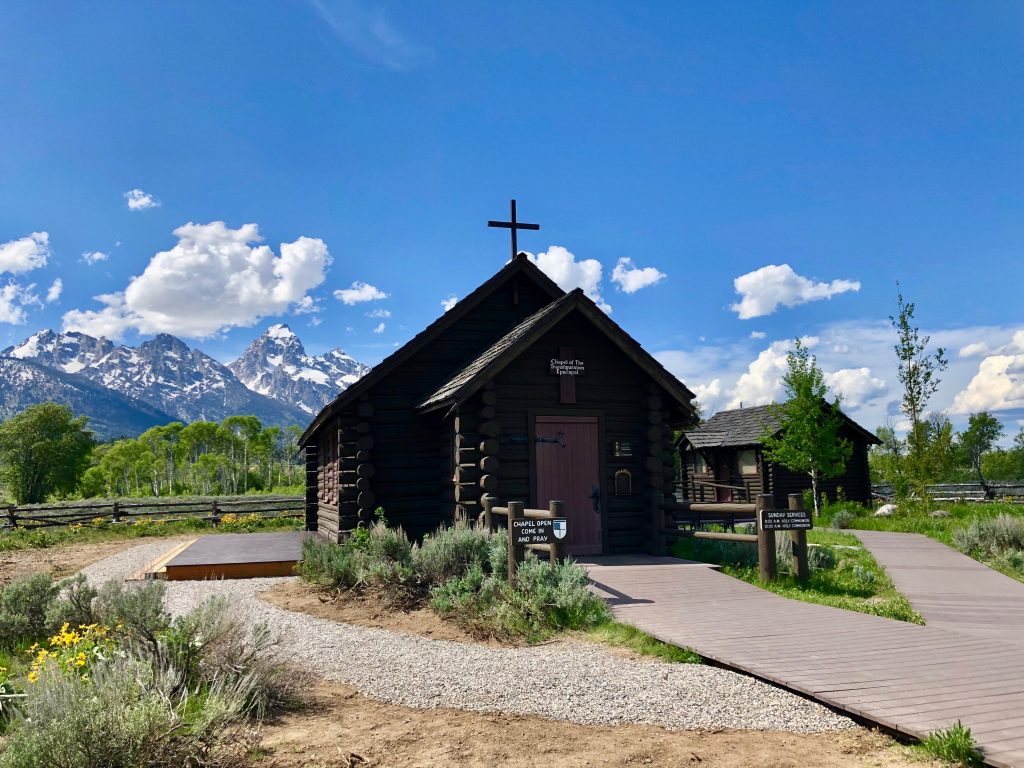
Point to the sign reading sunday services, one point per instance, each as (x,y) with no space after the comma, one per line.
(786,520)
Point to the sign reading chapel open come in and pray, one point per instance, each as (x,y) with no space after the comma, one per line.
(545,531)
(786,520)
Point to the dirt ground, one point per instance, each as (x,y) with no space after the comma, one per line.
(364,610)
(341,729)
(64,560)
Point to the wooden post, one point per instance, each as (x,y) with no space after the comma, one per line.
(657,523)
(215,516)
(766,559)
(557,509)
(488,519)
(116,513)
(801,568)
(12,517)
(515,512)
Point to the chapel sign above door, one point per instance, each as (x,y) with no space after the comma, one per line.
(566,366)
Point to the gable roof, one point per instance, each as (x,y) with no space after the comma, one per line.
(746,426)
(468,380)
(520,265)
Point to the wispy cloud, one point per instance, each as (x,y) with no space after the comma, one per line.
(366,31)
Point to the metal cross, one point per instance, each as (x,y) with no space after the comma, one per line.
(514,226)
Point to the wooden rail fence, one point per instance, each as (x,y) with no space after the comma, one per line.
(767,559)
(211,510)
(516,510)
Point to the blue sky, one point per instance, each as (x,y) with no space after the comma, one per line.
(846,145)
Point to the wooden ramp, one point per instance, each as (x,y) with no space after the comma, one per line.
(949,589)
(907,678)
(231,556)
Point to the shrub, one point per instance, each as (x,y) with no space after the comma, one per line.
(821,558)
(449,552)
(127,715)
(544,599)
(864,576)
(843,519)
(136,611)
(999,538)
(954,745)
(214,644)
(23,607)
(74,604)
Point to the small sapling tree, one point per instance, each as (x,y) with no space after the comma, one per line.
(983,429)
(918,373)
(809,439)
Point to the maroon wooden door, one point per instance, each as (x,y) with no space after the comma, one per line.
(723,475)
(567,468)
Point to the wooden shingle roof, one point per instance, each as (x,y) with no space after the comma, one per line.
(747,426)
(468,380)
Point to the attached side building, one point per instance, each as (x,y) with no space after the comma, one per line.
(722,460)
(521,391)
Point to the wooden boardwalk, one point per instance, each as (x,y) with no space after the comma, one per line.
(949,589)
(908,678)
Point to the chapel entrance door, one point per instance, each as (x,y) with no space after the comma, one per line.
(567,469)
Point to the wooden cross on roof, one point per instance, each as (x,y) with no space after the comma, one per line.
(514,226)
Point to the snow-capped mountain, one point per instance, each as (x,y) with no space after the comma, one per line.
(164,373)
(111,414)
(276,365)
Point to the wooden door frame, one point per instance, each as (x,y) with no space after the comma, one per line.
(598,413)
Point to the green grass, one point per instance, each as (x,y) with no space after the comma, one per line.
(856,583)
(954,745)
(626,636)
(916,519)
(42,538)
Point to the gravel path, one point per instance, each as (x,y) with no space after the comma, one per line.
(573,681)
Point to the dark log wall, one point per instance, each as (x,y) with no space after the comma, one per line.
(631,411)
(410,455)
(855,482)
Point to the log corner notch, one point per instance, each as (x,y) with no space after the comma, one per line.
(312,497)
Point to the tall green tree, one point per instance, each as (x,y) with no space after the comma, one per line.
(918,373)
(44,450)
(809,439)
(983,429)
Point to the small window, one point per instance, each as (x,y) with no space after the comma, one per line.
(746,461)
(700,464)
(623,483)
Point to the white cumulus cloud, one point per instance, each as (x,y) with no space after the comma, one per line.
(762,382)
(630,279)
(857,386)
(999,383)
(560,265)
(380,328)
(25,253)
(93,257)
(358,293)
(758,335)
(381,312)
(450,302)
(764,290)
(54,291)
(14,298)
(138,200)
(974,349)
(214,278)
